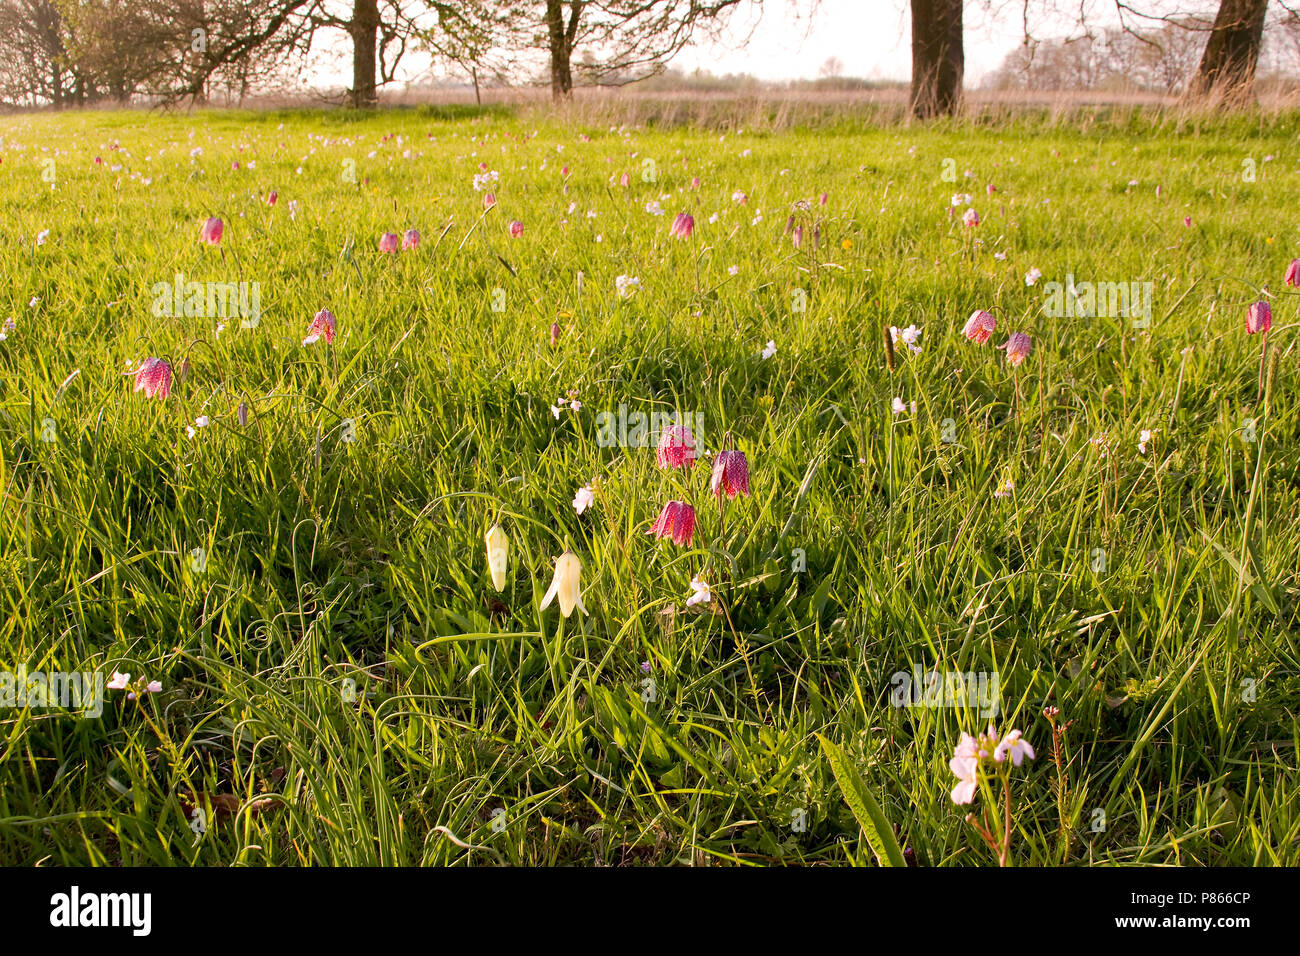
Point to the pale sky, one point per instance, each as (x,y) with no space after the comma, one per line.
(871,37)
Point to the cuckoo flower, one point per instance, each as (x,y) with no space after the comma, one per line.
(566,585)
(676,521)
(1015,746)
(972,753)
(700,593)
(964,764)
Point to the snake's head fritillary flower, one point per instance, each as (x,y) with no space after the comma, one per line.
(676,521)
(683,225)
(389,242)
(489,200)
(1018,347)
(323,324)
(1015,746)
(1259,317)
(676,448)
(211,231)
(970,218)
(566,585)
(555,333)
(411,239)
(730,474)
(695,182)
(273,198)
(516,228)
(498,555)
(154,378)
(1292,277)
(796,236)
(979,326)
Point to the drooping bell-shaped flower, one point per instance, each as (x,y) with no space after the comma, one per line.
(566,585)
(498,555)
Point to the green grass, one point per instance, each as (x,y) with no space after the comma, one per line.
(329,560)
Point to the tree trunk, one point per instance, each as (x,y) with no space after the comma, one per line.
(937,58)
(560,41)
(364,29)
(1227,71)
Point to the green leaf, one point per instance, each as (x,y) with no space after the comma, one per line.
(864,806)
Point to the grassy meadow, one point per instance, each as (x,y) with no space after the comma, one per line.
(292,541)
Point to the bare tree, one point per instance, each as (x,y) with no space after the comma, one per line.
(832,68)
(1229,45)
(1227,70)
(938,60)
(33,58)
(623,40)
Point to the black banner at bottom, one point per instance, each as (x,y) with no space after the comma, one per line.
(343,905)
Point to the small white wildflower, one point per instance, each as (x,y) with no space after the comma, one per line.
(700,593)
